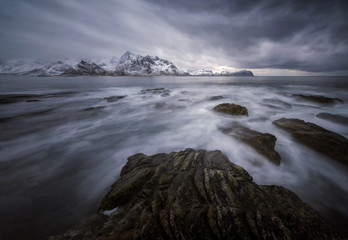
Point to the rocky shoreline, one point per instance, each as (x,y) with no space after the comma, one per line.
(197,195)
(203,195)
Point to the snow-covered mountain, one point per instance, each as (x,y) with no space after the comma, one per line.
(21,67)
(134,64)
(128,64)
(205,72)
(84,68)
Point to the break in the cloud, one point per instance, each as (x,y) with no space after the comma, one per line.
(295,35)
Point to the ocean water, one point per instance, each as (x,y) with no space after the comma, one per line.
(62,144)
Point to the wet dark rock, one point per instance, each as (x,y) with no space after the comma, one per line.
(232,109)
(334,118)
(214,98)
(316,137)
(259,119)
(277,103)
(15,98)
(318,99)
(197,195)
(94,108)
(26,115)
(263,143)
(156,91)
(114,98)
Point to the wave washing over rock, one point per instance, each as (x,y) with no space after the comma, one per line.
(64,141)
(197,195)
(129,64)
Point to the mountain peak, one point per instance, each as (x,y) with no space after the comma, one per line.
(126,56)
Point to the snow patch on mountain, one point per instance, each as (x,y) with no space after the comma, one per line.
(84,68)
(205,72)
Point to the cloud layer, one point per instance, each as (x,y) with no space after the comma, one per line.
(296,35)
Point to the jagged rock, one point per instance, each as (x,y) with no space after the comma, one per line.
(197,195)
(232,109)
(263,143)
(156,91)
(318,99)
(316,137)
(334,118)
(114,98)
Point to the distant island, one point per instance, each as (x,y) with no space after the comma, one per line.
(129,64)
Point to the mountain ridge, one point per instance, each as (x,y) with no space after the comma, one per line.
(129,64)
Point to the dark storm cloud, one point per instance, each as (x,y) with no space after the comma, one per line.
(299,35)
(302,35)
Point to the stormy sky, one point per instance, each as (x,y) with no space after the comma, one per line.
(269,35)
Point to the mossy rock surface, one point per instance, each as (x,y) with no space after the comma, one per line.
(231,108)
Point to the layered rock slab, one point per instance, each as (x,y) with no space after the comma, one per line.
(197,195)
(333,118)
(318,99)
(263,143)
(329,143)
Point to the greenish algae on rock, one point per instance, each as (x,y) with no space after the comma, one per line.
(231,108)
(197,195)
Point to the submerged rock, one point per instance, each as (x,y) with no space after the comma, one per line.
(16,98)
(276,103)
(114,98)
(316,137)
(263,143)
(218,97)
(318,98)
(197,195)
(232,109)
(334,118)
(94,108)
(156,91)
